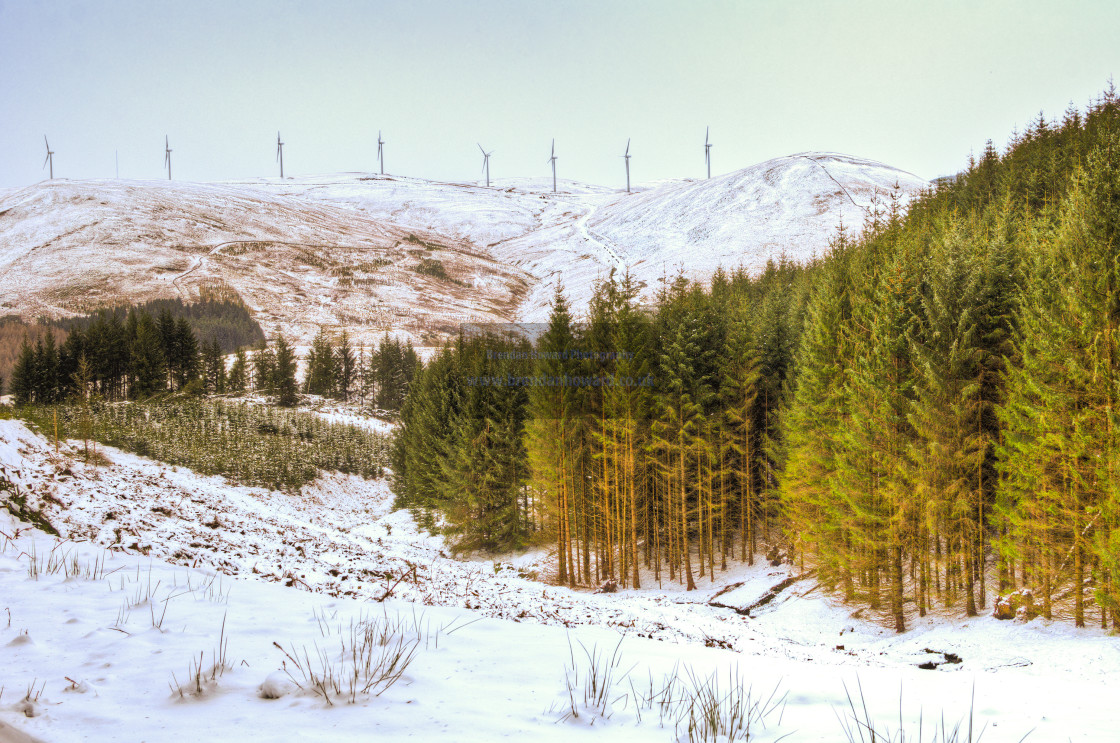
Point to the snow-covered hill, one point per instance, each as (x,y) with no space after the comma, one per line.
(789,205)
(72,246)
(339,250)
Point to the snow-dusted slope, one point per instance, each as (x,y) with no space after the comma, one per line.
(158,564)
(73,246)
(790,205)
(335,250)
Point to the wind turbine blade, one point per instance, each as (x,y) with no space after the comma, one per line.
(707,130)
(481,150)
(48,144)
(48,157)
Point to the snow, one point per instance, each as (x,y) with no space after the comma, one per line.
(68,247)
(294,249)
(166,563)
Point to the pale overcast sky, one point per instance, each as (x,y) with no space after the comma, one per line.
(913,84)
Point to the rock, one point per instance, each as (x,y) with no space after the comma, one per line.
(609,586)
(1016,605)
(1003,608)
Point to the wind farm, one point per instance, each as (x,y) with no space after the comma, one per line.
(48,163)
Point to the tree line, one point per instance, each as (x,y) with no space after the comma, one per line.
(134,356)
(926,417)
(377,377)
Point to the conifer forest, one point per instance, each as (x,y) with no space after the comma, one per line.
(926,417)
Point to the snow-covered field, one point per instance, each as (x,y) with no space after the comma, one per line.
(160,572)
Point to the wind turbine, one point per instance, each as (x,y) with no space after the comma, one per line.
(167,156)
(627,158)
(50,156)
(707,151)
(552,160)
(486,163)
(381,151)
(280,154)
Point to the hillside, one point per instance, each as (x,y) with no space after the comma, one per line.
(68,247)
(789,205)
(158,564)
(342,250)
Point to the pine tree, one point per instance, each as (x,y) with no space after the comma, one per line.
(48,370)
(345,367)
(818,521)
(187,360)
(550,432)
(264,369)
(238,382)
(947,466)
(149,368)
(321,368)
(23,375)
(284,379)
(488,459)
(214,368)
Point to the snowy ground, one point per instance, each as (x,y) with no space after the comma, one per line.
(176,554)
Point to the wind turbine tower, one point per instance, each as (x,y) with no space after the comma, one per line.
(552,160)
(381,151)
(486,163)
(627,158)
(50,156)
(708,151)
(167,156)
(280,154)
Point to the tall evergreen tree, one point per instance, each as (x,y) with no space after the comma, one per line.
(345,367)
(321,369)
(238,380)
(284,381)
(148,364)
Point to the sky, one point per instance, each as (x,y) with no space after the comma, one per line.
(916,85)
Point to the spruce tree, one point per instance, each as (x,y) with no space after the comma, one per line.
(237,382)
(264,369)
(23,374)
(321,372)
(345,367)
(550,431)
(284,375)
(148,365)
(213,368)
